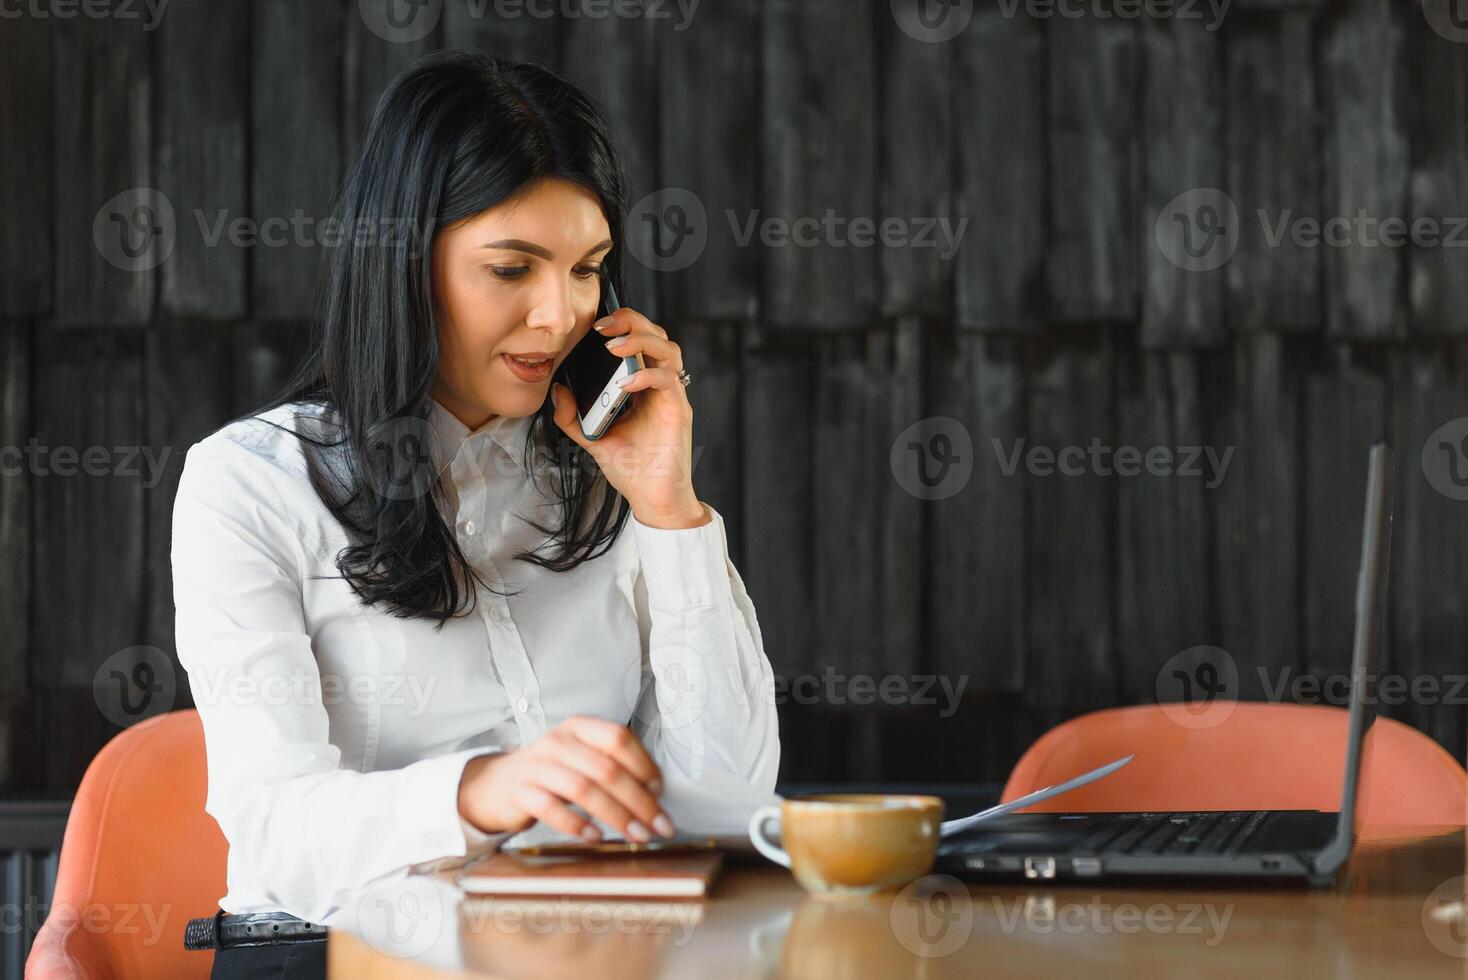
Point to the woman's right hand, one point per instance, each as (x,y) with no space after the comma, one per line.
(596,764)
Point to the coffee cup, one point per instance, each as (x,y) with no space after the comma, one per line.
(852,844)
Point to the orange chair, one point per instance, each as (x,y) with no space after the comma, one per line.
(1243,756)
(139,859)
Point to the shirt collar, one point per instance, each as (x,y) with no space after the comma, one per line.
(450,435)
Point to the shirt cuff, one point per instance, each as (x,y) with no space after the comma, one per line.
(433,805)
(475,840)
(684,567)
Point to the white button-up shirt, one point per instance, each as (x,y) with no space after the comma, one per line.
(337,733)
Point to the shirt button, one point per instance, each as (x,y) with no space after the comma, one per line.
(469,527)
(500,614)
(522,706)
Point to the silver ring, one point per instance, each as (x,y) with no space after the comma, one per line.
(685,377)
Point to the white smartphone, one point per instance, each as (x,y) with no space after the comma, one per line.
(592,372)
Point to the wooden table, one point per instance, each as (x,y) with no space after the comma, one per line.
(1397,911)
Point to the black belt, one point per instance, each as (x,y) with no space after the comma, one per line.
(225,929)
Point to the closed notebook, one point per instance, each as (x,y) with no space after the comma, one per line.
(681,874)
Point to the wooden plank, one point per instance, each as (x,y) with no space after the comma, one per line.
(16,481)
(112,230)
(26,234)
(823,735)
(1253,411)
(980,740)
(615,60)
(203,95)
(1183,278)
(1091,259)
(1430,539)
(1274,6)
(265,355)
(1072,661)
(1345,411)
(711,155)
(976,606)
(895,392)
(1273,168)
(711,356)
(777,410)
(25,749)
(379,44)
(89,506)
(188,394)
(1164,584)
(71,730)
(819,138)
(515,32)
(1438,136)
(868,574)
(1364,122)
(295,131)
(917,176)
(1001,172)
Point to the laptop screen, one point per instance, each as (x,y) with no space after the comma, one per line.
(1371,586)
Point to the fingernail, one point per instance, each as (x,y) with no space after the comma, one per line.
(603,323)
(638,832)
(624,382)
(663,825)
(616,341)
(589,832)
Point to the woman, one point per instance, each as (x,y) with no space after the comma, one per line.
(413,614)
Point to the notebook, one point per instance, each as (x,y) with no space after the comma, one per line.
(681,874)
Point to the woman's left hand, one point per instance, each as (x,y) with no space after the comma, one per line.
(647,454)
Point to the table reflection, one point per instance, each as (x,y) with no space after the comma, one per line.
(1401,901)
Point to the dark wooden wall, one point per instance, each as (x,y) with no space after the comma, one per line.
(1059,320)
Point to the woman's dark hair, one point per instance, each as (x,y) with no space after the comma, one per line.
(455,134)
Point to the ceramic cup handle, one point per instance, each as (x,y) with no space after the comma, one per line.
(760,841)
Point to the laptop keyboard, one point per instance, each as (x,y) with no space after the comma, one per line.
(1174,833)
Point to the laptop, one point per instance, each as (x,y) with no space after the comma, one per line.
(1289,845)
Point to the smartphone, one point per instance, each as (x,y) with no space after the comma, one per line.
(592,372)
(583,848)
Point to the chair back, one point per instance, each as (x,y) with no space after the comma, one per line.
(1255,757)
(140,857)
